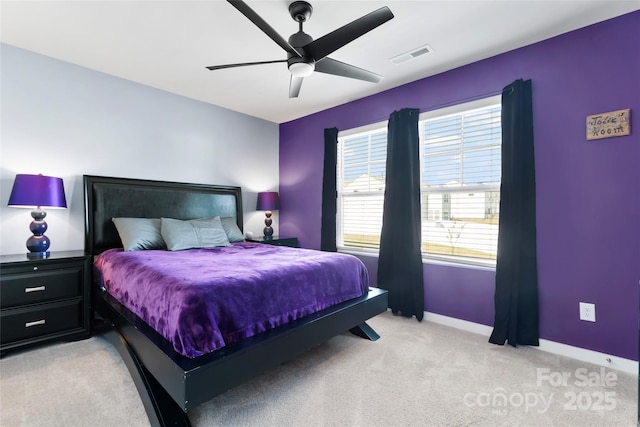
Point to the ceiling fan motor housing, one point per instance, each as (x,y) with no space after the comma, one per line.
(304,65)
(300,11)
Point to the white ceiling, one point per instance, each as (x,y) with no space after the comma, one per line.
(167,44)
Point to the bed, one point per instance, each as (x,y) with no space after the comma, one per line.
(172,381)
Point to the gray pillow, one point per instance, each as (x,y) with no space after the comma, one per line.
(139,233)
(234,234)
(194,233)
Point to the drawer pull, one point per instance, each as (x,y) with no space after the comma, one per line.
(35,323)
(34,289)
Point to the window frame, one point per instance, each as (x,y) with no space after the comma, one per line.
(486,102)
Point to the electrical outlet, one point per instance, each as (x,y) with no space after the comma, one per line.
(587,312)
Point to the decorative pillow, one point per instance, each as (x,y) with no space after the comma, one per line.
(194,233)
(231,228)
(139,233)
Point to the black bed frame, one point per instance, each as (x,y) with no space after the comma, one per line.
(170,384)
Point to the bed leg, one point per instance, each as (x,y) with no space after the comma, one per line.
(365,331)
(159,406)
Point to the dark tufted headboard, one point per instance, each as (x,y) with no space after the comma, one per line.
(108,197)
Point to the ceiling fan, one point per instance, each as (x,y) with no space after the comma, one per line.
(305,55)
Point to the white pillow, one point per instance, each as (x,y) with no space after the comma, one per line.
(139,233)
(231,228)
(194,233)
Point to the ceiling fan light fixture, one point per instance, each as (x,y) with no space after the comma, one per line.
(301,69)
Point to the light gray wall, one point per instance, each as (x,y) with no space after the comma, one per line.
(63,120)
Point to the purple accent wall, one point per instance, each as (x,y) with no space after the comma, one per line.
(588,208)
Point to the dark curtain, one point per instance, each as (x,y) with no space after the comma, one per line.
(516,293)
(400,259)
(329,191)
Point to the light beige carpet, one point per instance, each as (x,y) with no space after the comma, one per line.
(83,383)
(417,374)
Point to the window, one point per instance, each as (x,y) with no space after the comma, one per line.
(361,178)
(460,162)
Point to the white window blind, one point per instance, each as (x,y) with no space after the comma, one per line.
(361,179)
(461,162)
(460,149)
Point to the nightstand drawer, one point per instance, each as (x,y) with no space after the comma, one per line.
(37,321)
(32,288)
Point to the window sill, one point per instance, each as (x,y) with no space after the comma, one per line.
(475,264)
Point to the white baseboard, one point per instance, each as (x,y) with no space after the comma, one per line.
(582,354)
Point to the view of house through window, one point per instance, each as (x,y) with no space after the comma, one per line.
(460,176)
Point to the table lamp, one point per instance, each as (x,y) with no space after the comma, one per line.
(268,201)
(36,191)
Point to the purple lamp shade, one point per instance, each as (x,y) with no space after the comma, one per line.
(268,201)
(36,191)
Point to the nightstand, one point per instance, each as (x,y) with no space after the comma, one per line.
(43,300)
(276,241)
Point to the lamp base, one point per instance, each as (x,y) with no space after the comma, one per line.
(38,243)
(268,233)
(268,230)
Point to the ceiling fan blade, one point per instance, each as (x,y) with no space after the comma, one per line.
(242,64)
(262,24)
(294,86)
(331,66)
(333,41)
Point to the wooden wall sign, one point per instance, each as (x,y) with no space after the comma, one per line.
(607,125)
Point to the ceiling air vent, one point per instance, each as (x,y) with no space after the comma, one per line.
(407,56)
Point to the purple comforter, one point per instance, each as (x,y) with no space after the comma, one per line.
(203,299)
